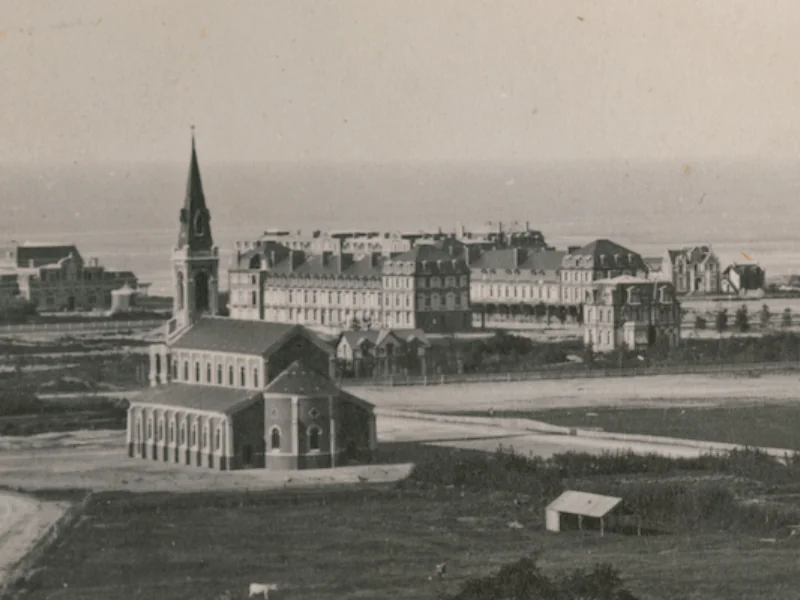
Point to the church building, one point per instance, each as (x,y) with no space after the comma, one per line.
(235,394)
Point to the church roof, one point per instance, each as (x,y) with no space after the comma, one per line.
(198,397)
(300,380)
(254,338)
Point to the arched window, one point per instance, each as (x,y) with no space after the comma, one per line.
(208,372)
(230,375)
(160,430)
(149,429)
(205,436)
(172,432)
(194,435)
(314,434)
(242,377)
(218,438)
(197,372)
(255,378)
(175,369)
(186,370)
(219,374)
(139,430)
(275,439)
(183,434)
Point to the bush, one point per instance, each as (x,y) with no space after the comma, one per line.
(524,580)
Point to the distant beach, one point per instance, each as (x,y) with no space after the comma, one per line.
(126,215)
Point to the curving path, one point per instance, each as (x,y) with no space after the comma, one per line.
(23,520)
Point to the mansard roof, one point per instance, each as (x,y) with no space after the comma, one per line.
(329,264)
(208,398)
(540,262)
(431,259)
(605,254)
(238,336)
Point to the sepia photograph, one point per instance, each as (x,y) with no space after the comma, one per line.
(399,299)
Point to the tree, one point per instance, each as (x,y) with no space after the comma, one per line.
(742,319)
(786,318)
(721,322)
(355,324)
(765,317)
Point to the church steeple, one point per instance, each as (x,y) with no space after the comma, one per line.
(195,260)
(195,220)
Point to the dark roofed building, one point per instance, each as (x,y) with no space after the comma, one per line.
(516,277)
(600,259)
(54,277)
(35,256)
(210,378)
(382,351)
(425,287)
(312,424)
(300,420)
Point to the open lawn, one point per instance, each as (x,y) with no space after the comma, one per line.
(526,396)
(373,544)
(762,425)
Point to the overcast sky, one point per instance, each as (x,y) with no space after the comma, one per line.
(381,80)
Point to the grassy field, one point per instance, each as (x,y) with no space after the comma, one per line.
(765,425)
(373,544)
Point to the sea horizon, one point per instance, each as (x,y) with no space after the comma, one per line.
(127,214)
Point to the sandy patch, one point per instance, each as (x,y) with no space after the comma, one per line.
(23,521)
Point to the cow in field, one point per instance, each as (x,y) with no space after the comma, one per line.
(262,590)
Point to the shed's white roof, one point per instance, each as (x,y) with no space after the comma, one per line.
(584,503)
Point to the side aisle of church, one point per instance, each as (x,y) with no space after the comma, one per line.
(234,394)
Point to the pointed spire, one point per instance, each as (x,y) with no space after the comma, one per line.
(195,230)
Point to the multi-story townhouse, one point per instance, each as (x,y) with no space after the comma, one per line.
(600,259)
(514,281)
(424,287)
(631,312)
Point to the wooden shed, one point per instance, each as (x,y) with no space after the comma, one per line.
(587,511)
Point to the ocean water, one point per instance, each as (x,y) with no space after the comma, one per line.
(127,214)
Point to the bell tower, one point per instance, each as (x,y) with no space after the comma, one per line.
(195,259)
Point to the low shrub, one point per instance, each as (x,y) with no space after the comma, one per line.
(669,502)
(523,580)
